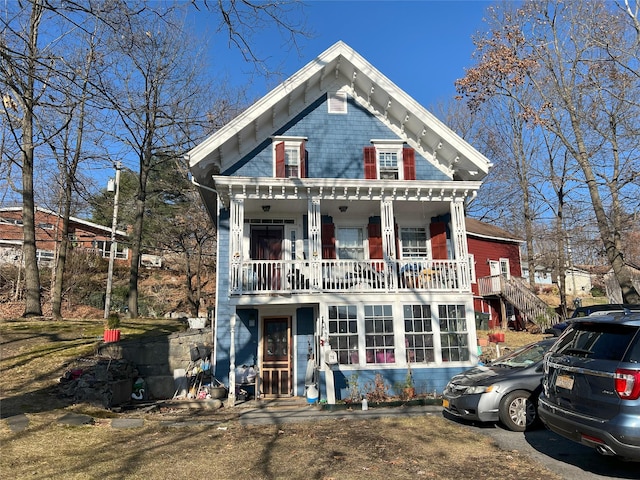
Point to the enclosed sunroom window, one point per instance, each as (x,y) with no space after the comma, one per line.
(454,336)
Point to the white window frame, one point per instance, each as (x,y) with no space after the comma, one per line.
(437,334)
(403,252)
(291,145)
(364,246)
(456,327)
(419,327)
(505,269)
(376,348)
(344,333)
(104,248)
(45,256)
(472,267)
(394,147)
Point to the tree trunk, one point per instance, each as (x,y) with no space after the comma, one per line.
(136,244)
(32,305)
(56,293)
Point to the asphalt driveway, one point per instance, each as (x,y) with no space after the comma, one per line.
(569,459)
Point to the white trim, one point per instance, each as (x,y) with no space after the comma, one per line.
(285,138)
(390,141)
(267,188)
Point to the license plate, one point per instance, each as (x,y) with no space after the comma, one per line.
(564,381)
(445,403)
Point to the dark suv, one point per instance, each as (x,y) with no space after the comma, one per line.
(591,384)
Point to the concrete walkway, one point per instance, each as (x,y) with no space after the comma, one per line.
(249,413)
(279,415)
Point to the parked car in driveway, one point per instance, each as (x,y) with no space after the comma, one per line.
(591,384)
(505,390)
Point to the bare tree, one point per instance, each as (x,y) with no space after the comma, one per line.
(24,68)
(68,149)
(556,47)
(154,89)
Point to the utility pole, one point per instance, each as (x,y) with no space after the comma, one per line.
(112,252)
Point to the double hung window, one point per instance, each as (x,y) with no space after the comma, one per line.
(343,333)
(350,243)
(414,242)
(378,331)
(388,164)
(389,160)
(418,334)
(289,155)
(454,337)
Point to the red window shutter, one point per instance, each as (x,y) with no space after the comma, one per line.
(328,240)
(375,240)
(438,232)
(409,162)
(280,160)
(302,170)
(370,162)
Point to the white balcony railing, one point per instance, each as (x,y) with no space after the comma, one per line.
(303,276)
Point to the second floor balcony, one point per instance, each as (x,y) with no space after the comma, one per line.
(303,276)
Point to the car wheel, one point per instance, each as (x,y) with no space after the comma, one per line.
(517,411)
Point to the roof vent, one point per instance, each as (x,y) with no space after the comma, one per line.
(338,102)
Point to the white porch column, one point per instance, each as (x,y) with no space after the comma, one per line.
(315,241)
(232,360)
(388,237)
(460,247)
(236,232)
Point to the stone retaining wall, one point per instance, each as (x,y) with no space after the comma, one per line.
(157,357)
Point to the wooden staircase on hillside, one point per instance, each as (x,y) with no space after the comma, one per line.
(518,293)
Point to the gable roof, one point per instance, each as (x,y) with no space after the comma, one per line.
(339,67)
(476,228)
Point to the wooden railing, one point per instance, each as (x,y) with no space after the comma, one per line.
(518,294)
(301,276)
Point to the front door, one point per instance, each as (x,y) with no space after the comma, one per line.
(495,276)
(266,244)
(276,357)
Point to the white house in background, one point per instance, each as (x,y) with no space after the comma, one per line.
(578,282)
(342,247)
(543,275)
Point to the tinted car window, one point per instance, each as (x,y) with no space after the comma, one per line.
(601,341)
(633,355)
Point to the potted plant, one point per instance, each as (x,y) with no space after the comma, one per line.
(111,330)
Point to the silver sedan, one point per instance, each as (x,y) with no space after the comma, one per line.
(505,390)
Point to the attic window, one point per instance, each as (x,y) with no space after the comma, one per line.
(337,102)
(389,160)
(289,157)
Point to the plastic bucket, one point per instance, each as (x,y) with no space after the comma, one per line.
(312,394)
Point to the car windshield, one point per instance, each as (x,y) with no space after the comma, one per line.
(523,357)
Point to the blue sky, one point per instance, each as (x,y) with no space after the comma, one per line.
(423,46)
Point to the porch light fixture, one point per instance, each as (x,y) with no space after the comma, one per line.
(343,208)
(266,208)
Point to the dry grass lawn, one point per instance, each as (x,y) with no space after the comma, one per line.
(33,358)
